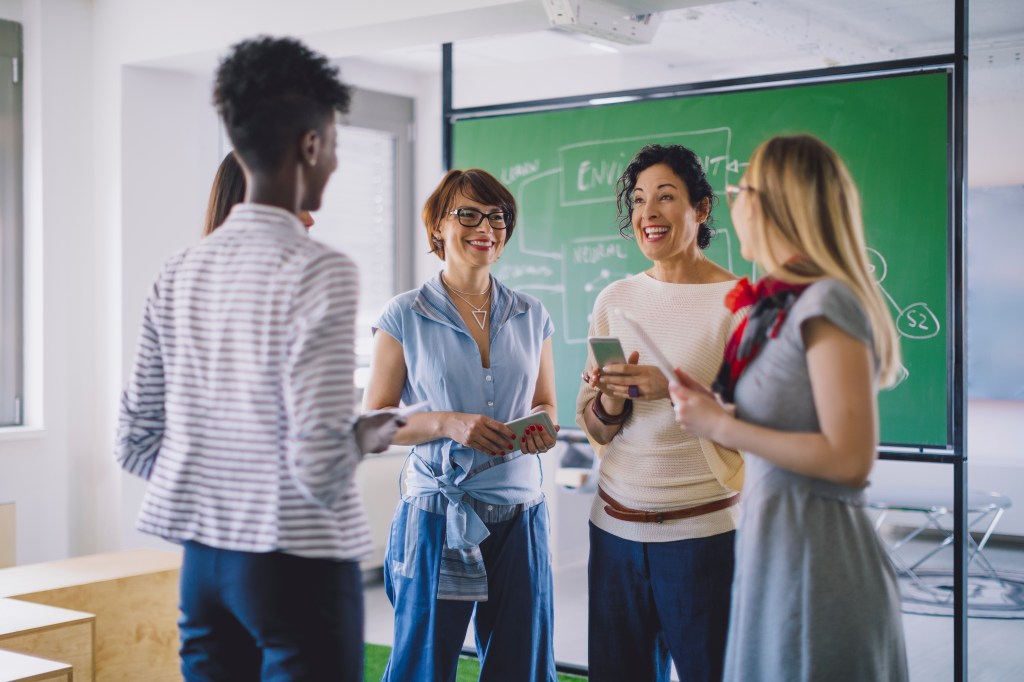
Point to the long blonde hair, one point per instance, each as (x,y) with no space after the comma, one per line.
(807,197)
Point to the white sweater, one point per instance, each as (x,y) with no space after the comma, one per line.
(652,463)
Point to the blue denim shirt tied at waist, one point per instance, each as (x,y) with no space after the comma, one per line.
(509,480)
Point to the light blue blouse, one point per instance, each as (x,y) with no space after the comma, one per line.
(444,366)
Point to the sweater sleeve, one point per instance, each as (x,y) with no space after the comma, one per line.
(598,327)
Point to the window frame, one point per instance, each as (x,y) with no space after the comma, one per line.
(12,235)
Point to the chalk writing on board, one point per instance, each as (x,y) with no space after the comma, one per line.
(578,269)
(589,170)
(595,253)
(587,173)
(914,321)
(517,271)
(516,171)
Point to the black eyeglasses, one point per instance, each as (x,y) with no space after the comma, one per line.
(732,192)
(470,217)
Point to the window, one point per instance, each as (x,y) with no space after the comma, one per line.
(11,216)
(358,217)
(367,206)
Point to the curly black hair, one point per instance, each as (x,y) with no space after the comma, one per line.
(684,163)
(270,91)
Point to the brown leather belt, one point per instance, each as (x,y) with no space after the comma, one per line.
(617,511)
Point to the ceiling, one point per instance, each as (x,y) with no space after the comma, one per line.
(752,37)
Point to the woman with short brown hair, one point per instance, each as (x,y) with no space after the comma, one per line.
(470,534)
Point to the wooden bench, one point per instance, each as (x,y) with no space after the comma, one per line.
(49,632)
(134,597)
(7,526)
(21,668)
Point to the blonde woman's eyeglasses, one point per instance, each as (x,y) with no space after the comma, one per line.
(732,192)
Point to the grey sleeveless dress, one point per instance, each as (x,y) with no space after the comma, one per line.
(814,595)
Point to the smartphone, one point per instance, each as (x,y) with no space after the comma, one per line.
(607,350)
(518,426)
(660,361)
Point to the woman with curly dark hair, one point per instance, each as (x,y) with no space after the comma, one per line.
(662,524)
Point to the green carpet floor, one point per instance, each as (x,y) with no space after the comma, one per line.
(469,668)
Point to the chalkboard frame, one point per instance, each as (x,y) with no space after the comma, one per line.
(940,64)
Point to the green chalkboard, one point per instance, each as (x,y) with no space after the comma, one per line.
(892,132)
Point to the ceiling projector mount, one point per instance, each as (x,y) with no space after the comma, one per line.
(603,19)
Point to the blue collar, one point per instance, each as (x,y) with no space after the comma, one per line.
(434,303)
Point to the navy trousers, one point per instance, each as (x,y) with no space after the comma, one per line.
(270,617)
(652,602)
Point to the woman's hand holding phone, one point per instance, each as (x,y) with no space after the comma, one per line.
(620,378)
(535,432)
(633,381)
(480,432)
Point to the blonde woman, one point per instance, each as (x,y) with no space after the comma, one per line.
(814,596)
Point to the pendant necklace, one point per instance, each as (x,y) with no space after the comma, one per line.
(479,312)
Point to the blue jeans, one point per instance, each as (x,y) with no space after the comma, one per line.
(652,600)
(514,627)
(274,616)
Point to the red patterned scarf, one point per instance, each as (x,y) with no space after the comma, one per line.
(771,300)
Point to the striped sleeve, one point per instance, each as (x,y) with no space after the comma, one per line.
(141,421)
(319,396)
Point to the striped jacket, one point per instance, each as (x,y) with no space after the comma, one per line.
(240,406)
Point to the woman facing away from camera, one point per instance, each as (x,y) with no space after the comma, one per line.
(238,414)
(662,525)
(470,535)
(815,597)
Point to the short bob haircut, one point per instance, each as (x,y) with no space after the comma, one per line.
(685,164)
(475,184)
(270,92)
(228,189)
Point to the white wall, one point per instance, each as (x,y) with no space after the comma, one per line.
(995,429)
(47,469)
(170,151)
(10,10)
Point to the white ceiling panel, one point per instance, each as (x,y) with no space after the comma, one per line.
(710,41)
